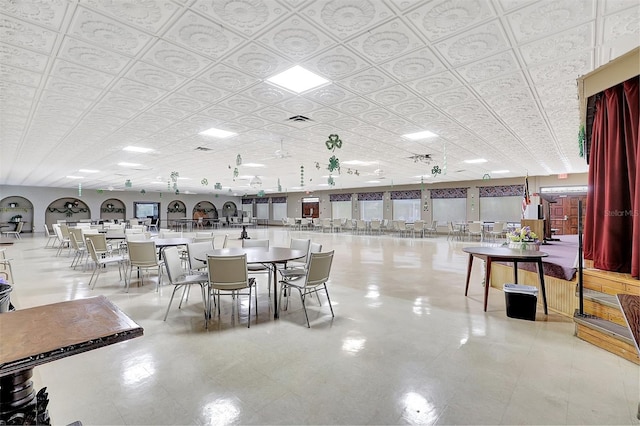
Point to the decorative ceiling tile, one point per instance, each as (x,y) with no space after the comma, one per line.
(558,46)
(452,97)
(348,123)
(21,34)
(325,115)
(386,41)
(622,24)
(343,18)
(49,13)
(203,35)
(91,56)
(546,17)
(273,114)
(425,117)
(222,114)
(19,76)
(137,90)
(296,39)
(181,102)
(390,95)
(569,69)
(354,106)
(258,61)
(439,19)
(267,93)
(149,15)
(328,95)
(336,64)
(409,107)
(168,112)
(22,58)
(227,78)
(203,92)
(367,81)
(247,16)
(502,63)
(254,122)
(375,116)
(53,100)
(500,85)
(414,65)
(154,76)
(474,44)
(71,88)
(175,59)
(242,104)
(107,33)
(435,83)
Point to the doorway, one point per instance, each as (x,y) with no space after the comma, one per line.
(564,213)
(311,207)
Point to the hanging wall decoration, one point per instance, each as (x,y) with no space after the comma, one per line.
(435,171)
(486,176)
(174,180)
(238,160)
(261,193)
(79,189)
(127,183)
(301,175)
(217,186)
(142,191)
(279,186)
(333,142)
(204,182)
(100,191)
(235,173)
(317,165)
(581,140)
(334,164)
(331,181)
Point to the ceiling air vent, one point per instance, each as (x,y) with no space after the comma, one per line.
(203,148)
(299,118)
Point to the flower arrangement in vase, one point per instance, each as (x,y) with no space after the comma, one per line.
(523,239)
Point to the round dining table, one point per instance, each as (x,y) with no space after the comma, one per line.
(271,255)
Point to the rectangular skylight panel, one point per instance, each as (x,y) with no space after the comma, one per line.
(217,133)
(298,80)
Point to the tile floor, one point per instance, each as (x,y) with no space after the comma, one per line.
(405,347)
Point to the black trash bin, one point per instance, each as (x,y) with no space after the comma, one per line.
(5,300)
(521,301)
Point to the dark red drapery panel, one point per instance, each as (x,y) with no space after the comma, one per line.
(612,225)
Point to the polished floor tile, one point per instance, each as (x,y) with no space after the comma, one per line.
(405,347)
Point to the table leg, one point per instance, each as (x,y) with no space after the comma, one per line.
(466,289)
(544,292)
(487,282)
(275,291)
(515,271)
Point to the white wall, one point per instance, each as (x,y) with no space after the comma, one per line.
(42,197)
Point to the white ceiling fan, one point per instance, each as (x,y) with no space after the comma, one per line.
(280,153)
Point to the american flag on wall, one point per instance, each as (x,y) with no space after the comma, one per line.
(526,199)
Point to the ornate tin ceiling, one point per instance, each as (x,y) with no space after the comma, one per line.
(495,79)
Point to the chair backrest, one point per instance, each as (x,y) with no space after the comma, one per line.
(228,272)
(92,251)
(375,224)
(361,224)
(98,241)
(204,234)
(402,225)
(135,237)
(142,253)
(418,225)
(173,264)
(170,234)
(198,250)
(326,223)
(475,228)
(46,231)
(255,243)
(134,230)
(315,248)
(220,241)
(76,237)
(64,229)
(450,226)
(302,245)
(498,227)
(319,268)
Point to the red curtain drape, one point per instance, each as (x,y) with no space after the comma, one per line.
(612,225)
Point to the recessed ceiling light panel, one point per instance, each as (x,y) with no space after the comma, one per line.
(298,80)
(88,171)
(217,133)
(499,172)
(131,148)
(420,135)
(125,164)
(476,161)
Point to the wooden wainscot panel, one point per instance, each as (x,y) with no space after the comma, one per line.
(608,343)
(561,294)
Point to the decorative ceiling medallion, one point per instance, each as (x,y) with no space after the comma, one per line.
(204,38)
(44,12)
(257,63)
(385,45)
(108,33)
(296,43)
(440,19)
(341,15)
(366,83)
(247,14)
(336,66)
(143,13)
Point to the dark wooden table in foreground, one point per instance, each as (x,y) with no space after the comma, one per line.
(504,254)
(35,336)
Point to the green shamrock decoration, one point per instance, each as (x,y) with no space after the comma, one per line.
(218,186)
(261,193)
(333,142)
(331,181)
(436,170)
(235,173)
(204,182)
(334,164)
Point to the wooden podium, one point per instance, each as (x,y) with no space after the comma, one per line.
(536,226)
(35,336)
